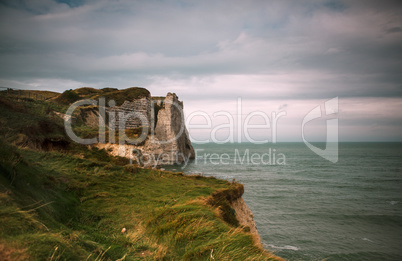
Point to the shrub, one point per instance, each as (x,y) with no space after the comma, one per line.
(68,97)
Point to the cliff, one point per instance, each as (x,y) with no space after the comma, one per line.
(246,217)
(234,210)
(167,141)
(171,132)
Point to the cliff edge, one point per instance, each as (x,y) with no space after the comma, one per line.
(246,217)
(233,210)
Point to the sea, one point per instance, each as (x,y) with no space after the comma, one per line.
(309,208)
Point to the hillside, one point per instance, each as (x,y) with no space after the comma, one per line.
(64,201)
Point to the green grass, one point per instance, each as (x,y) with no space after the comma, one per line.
(128,94)
(72,203)
(30,94)
(68,97)
(84,91)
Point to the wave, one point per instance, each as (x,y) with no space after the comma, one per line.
(287,247)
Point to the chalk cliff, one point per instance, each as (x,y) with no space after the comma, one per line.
(171,132)
(167,141)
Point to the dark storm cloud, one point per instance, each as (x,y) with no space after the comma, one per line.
(303,49)
(394,30)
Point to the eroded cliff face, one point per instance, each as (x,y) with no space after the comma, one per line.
(168,141)
(233,210)
(246,217)
(171,132)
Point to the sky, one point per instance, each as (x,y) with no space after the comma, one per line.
(254,59)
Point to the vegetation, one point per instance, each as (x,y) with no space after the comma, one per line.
(125,95)
(108,89)
(85,91)
(72,202)
(31,94)
(68,97)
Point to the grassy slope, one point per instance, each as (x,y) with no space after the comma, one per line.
(119,96)
(72,204)
(34,94)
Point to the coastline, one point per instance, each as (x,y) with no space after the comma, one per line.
(77,201)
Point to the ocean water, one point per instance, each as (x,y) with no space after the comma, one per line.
(307,208)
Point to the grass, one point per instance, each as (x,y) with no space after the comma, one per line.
(128,94)
(68,97)
(84,91)
(72,203)
(31,94)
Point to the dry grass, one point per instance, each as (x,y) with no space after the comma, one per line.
(12,252)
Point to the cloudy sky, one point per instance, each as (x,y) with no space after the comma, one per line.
(277,56)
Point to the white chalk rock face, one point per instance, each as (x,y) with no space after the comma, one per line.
(169,142)
(171,131)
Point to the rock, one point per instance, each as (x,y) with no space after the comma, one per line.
(141,107)
(168,142)
(245,217)
(171,131)
(65,117)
